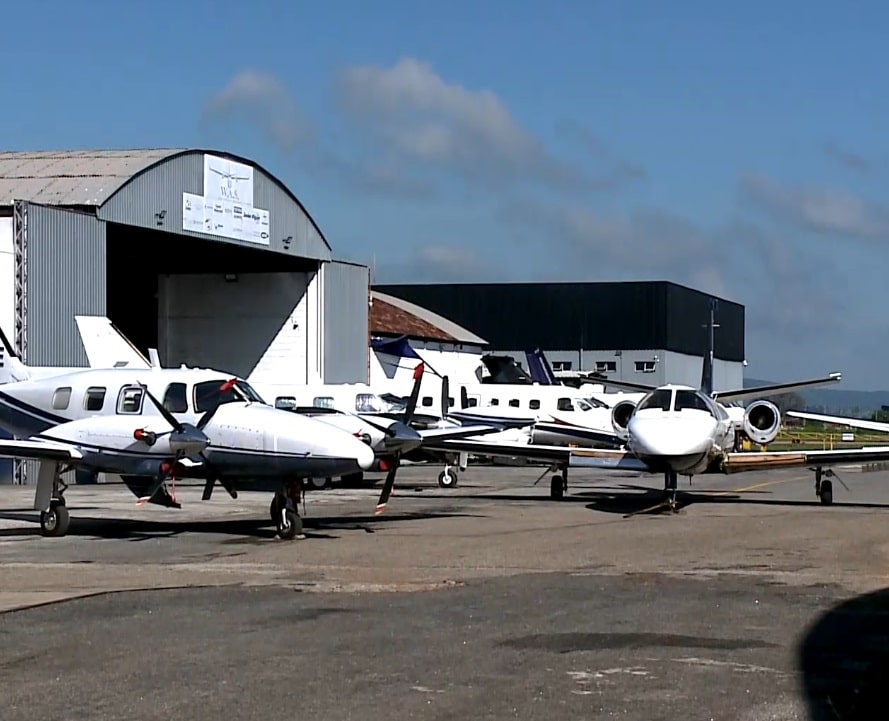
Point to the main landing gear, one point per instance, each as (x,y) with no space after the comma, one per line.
(558,484)
(49,499)
(283,510)
(824,489)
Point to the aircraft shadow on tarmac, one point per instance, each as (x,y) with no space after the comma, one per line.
(629,499)
(248,529)
(844,660)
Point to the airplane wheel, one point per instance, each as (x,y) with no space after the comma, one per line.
(319,484)
(448,478)
(54,522)
(290,526)
(826,493)
(557,488)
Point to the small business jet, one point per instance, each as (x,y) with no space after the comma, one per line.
(680,430)
(208,425)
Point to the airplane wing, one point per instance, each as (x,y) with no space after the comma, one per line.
(39,451)
(582,433)
(768,460)
(531,452)
(840,421)
(776,389)
(443,434)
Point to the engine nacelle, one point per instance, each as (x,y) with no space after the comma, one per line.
(762,421)
(620,417)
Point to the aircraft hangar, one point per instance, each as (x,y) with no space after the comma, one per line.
(202,254)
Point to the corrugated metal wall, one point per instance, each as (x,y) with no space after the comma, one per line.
(345,290)
(586,316)
(154,200)
(66,277)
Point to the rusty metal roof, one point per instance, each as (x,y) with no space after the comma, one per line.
(71,177)
(394,316)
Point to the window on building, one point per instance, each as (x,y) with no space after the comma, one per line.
(561,365)
(647,366)
(606,366)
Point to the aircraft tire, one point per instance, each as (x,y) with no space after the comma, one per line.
(293,527)
(54,522)
(447,479)
(826,493)
(319,484)
(557,488)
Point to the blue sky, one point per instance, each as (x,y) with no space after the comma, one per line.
(740,148)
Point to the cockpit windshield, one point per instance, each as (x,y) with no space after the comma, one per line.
(210,394)
(691,400)
(593,403)
(660,398)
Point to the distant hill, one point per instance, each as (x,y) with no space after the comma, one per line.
(836,400)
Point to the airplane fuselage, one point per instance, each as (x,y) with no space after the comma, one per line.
(100,409)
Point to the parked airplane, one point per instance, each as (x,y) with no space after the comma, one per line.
(381,422)
(221,431)
(679,430)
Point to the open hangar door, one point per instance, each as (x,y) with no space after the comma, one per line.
(210,303)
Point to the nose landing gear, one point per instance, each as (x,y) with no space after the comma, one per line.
(284,513)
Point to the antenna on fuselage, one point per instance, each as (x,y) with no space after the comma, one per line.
(707,369)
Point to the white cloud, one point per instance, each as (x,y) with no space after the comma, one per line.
(417,113)
(819,209)
(262,100)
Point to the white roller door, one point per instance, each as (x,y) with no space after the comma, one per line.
(261,323)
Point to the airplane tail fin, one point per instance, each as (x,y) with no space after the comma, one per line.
(12,369)
(707,369)
(541,371)
(106,346)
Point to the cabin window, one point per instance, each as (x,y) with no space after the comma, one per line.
(427,401)
(534,405)
(322,402)
(472,402)
(367,403)
(606,366)
(176,398)
(564,404)
(94,398)
(645,366)
(287,403)
(61,398)
(450,402)
(495,402)
(514,403)
(129,400)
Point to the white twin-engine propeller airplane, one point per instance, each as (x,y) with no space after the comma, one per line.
(208,425)
(679,430)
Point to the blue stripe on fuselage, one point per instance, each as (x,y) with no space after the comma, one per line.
(24,420)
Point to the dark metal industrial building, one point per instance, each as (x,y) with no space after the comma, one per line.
(650,332)
(202,254)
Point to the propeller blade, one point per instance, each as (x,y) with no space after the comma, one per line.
(168,417)
(154,488)
(205,419)
(415,395)
(387,486)
(445,397)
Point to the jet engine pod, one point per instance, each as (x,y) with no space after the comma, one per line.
(620,417)
(762,421)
